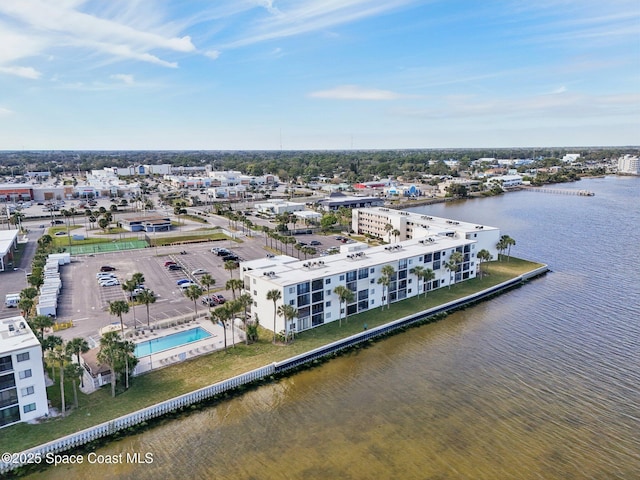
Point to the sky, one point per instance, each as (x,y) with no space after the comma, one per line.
(318,74)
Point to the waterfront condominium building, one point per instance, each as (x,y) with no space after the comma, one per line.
(309,285)
(382,222)
(23,395)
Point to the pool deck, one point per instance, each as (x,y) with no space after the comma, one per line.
(188,351)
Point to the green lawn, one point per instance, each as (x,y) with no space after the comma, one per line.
(184,377)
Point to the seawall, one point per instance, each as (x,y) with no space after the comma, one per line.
(38,454)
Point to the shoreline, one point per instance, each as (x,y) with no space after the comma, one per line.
(132,422)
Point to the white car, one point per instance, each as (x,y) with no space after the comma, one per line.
(198,271)
(111,282)
(104,275)
(186,285)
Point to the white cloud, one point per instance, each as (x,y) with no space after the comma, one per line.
(45,25)
(314,15)
(560,89)
(5,112)
(124,78)
(212,54)
(24,72)
(355,92)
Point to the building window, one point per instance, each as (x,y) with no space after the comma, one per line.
(292,302)
(8,397)
(5,363)
(342,278)
(327,304)
(327,281)
(22,357)
(255,293)
(27,391)
(29,408)
(25,374)
(292,289)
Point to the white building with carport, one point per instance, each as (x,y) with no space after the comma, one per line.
(8,245)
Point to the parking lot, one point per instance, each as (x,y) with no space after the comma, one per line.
(86,303)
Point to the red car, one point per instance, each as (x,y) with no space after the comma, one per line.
(166,264)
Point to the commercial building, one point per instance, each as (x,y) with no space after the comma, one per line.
(309,285)
(338,200)
(507,181)
(23,394)
(146,224)
(409,225)
(278,207)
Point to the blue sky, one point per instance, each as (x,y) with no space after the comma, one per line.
(318,74)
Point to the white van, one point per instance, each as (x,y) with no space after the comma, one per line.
(12,300)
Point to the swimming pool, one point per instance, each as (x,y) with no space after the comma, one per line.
(170,341)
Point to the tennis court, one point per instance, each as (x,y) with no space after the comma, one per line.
(107,247)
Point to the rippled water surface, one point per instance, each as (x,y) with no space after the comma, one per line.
(540,383)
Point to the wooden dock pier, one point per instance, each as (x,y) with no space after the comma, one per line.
(559,191)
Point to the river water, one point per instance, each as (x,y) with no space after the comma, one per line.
(542,382)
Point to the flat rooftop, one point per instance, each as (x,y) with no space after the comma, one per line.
(15,334)
(284,270)
(444,224)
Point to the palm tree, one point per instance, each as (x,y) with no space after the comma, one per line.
(274,295)
(387,228)
(193,292)
(231,265)
(483,256)
(245,300)
(138,277)
(508,242)
(26,305)
(109,353)
(76,346)
(453,264)
(396,233)
(233,307)
(418,271)
(147,297)
(219,316)
(59,356)
(207,280)
(119,307)
(289,312)
(233,285)
(385,280)
(346,296)
(40,323)
(75,372)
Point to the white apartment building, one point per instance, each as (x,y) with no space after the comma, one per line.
(507,181)
(308,285)
(372,221)
(23,394)
(629,165)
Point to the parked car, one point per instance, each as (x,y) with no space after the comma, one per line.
(198,271)
(213,300)
(231,256)
(208,301)
(109,282)
(183,280)
(218,298)
(174,267)
(222,252)
(315,242)
(104,275)
(107,268)
(57,222)
(186,285)
(169,263)
(60,234)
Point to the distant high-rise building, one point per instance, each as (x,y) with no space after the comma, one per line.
(629,165)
